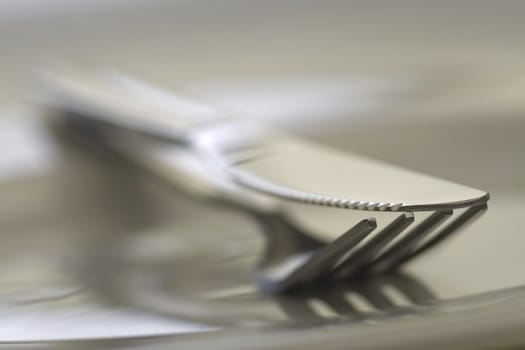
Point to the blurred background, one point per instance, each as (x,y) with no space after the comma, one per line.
(436,86)
(334,64)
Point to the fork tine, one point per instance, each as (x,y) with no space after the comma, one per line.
(324,259)
(465,218)
(365,254)
(404,247)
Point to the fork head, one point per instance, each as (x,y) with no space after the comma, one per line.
(293,258)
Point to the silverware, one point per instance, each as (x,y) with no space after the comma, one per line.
(260,170)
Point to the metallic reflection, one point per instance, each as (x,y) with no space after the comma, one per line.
(359,301)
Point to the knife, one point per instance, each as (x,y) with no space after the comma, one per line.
(247,154)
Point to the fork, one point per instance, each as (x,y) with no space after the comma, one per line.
(259,170)
(293,258)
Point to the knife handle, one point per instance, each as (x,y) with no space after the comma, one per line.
(123,102)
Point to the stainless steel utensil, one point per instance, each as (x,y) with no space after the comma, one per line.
(260,170)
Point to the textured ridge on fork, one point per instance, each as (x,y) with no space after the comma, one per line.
(287,193)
